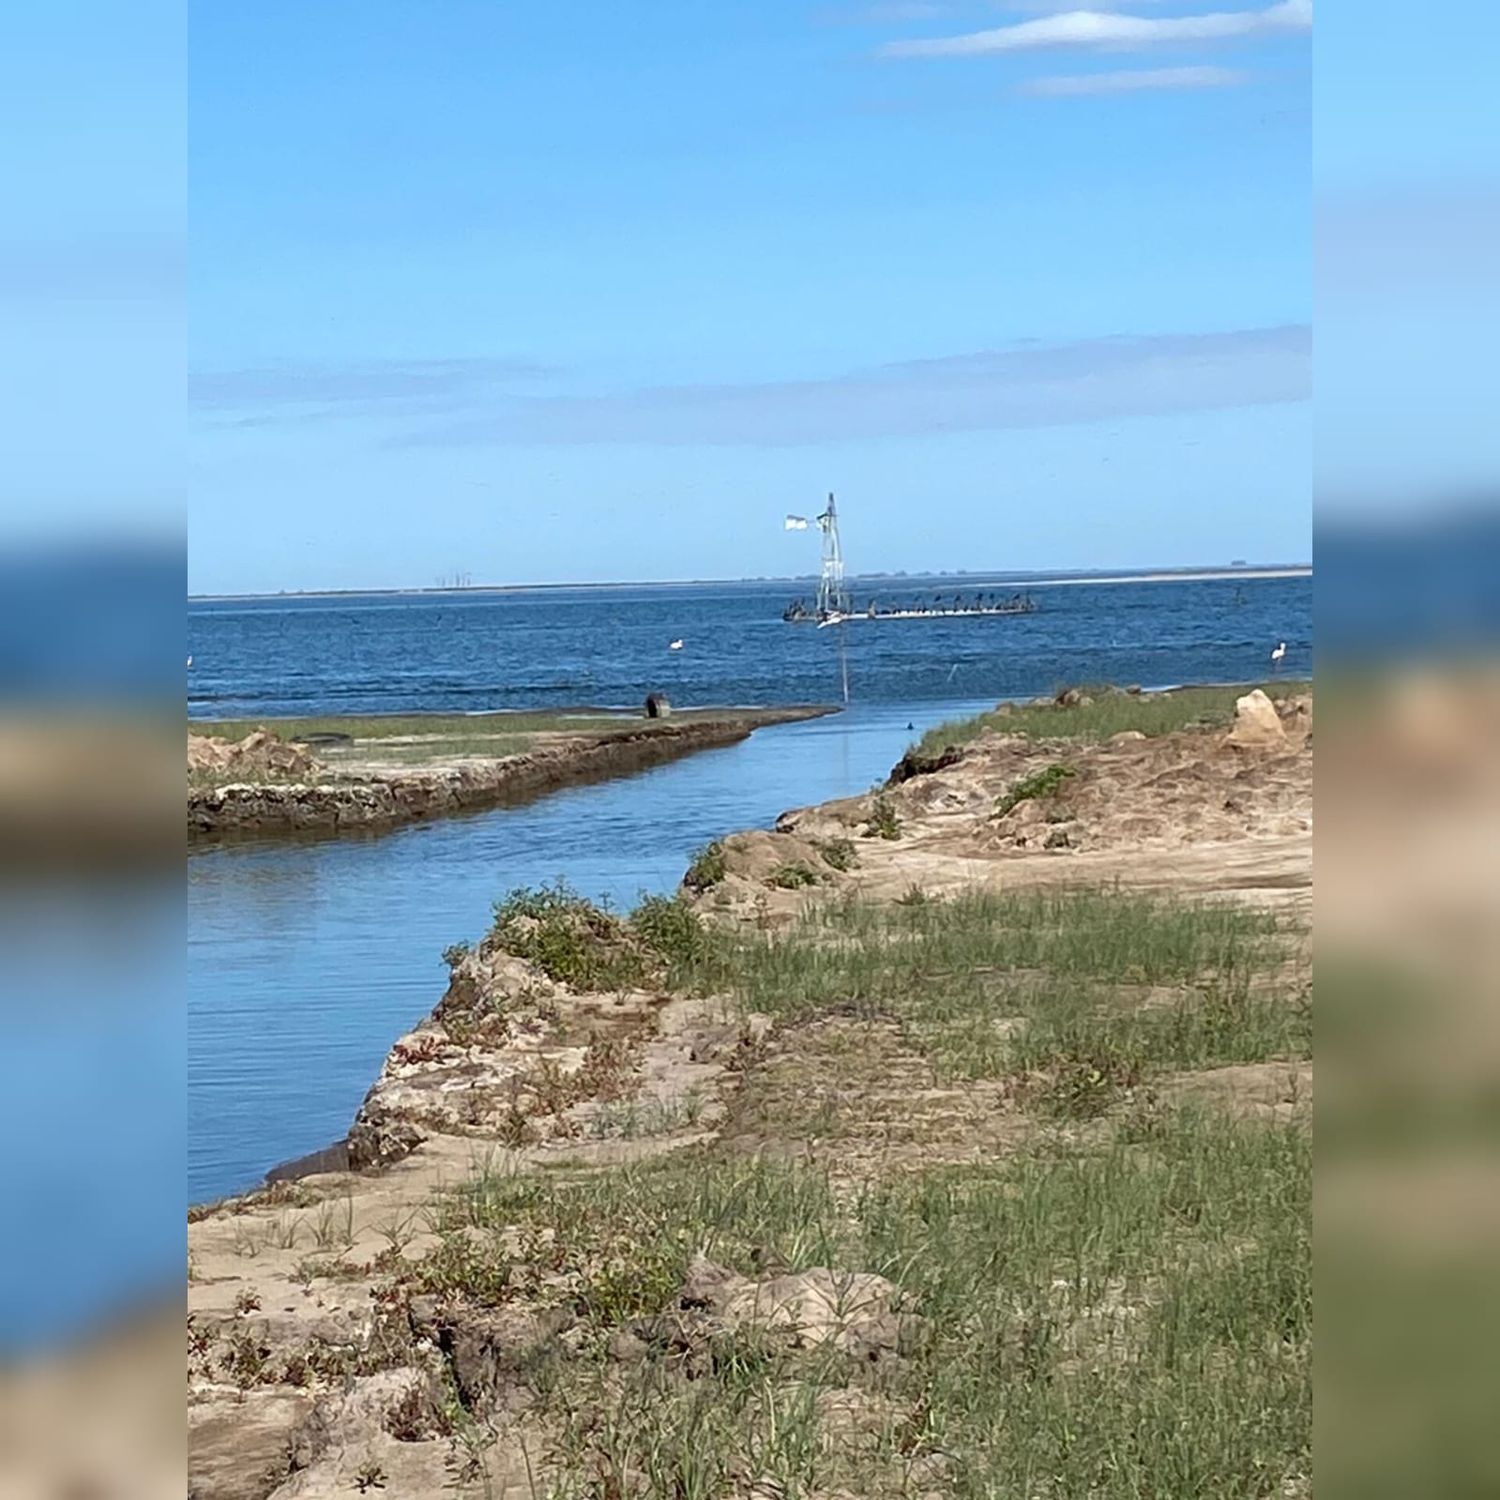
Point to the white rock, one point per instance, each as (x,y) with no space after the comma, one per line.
(1257,725)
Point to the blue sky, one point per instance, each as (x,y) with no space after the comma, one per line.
(587,291)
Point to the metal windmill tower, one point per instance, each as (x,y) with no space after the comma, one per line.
(833,607)
(833,592)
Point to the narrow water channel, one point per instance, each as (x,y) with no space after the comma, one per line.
(306,960)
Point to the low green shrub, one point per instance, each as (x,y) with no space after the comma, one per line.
(707,868)
(1039,785)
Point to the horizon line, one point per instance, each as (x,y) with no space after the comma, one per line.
(1051,576)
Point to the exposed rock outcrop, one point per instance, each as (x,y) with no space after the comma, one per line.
(914,764)
(1257,725)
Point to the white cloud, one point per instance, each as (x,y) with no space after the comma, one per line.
(1078,85)
(1106,31)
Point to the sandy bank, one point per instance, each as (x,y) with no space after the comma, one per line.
(1209,811)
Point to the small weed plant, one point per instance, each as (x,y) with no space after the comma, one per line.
(1039,786)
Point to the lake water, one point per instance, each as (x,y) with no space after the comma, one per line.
(307,959)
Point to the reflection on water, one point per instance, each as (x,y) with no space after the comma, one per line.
(307,960)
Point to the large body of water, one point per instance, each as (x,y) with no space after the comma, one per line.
(307,959)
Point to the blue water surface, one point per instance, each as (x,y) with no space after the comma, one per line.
(307,959)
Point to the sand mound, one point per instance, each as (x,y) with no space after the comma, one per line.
(259,754)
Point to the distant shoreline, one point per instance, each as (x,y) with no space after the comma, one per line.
(1030,580)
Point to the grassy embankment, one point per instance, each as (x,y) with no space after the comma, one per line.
(974,1099)
(415,739)
(423,739)
(1111,712)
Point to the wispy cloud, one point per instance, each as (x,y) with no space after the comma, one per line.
(294,389)
(1110,31)
(895,12)
(1132,80)
(1032,385)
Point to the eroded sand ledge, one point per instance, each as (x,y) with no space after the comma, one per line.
(373,799)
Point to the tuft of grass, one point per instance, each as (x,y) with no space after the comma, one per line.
(673,930)
(1039,786)
(579,943)
(794,877)
(707,868)
(569,938)
(884,822)
(838,854)
(1110,712)
(334,1225)
(641,1119)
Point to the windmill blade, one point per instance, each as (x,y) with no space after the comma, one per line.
(797,523)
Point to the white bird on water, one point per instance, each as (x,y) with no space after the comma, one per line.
(1278,654)
(675,646)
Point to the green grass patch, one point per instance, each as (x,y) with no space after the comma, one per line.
(1039,786)
(672,930)
(569,938)
(1070,966)
(1111,712)
(580,944)
(426,751)
(1135,1321)
(838,854)
(885,822)
(360,727)
(207,779)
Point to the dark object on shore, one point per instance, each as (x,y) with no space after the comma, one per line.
(911,764)
(323,737)
(657,706)
(334,1158)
